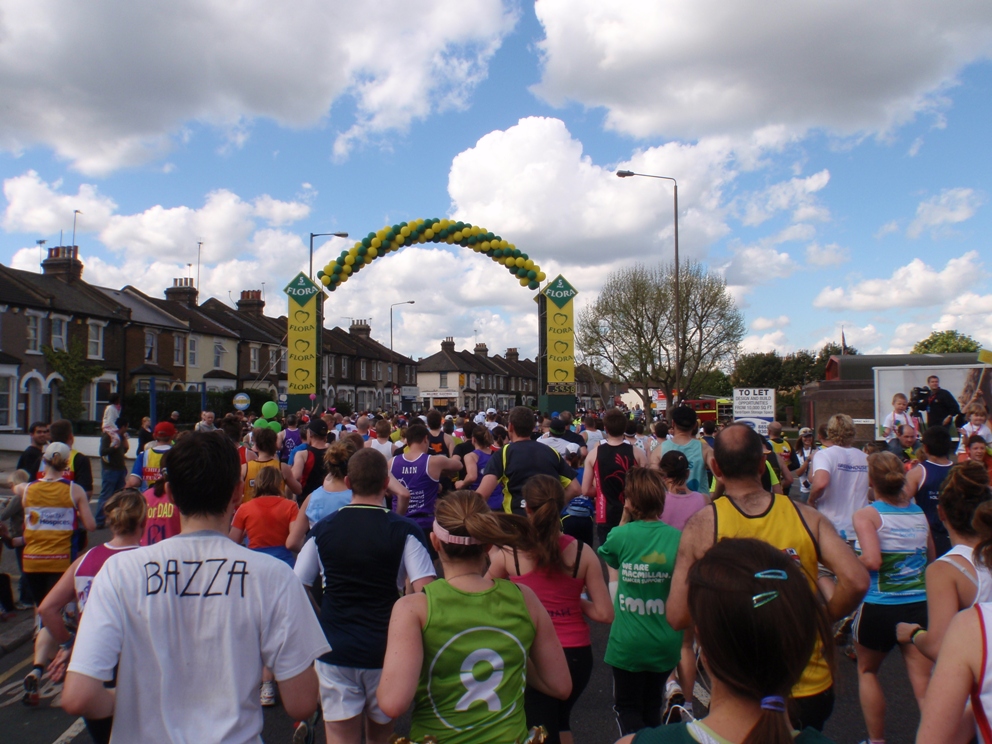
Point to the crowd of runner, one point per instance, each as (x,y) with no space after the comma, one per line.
(352,568)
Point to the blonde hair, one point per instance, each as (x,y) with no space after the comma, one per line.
(886,474)
(19,476)
(840,430)
(125,511)
(269,482)
(975,409)
(899,396)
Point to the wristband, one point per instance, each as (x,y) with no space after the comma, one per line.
(912,636)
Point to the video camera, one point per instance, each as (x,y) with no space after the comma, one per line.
(919,399)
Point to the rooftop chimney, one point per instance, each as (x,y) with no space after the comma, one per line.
(251,302)
(448,344)
(182,291)
(512,355)
(63,262)
(361,328)
(482,350)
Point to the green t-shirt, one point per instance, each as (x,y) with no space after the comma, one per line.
(471,686)
(679,734)
(641,640)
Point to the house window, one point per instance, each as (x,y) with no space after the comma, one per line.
(219,352)
(283,361)
(378,371)
(151,347)
(389,372)
(34,333)
(273,360)
(192,355)
(442,380)
(60,332)
(501,381)
(5,401)
(364,370)
(178,349)
(253,359)
(94,341)
(344,366)
(330,365)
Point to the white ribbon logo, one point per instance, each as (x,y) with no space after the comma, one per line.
(484,690)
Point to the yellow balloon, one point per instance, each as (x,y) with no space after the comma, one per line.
(445,224)
(346,269)
(405,231)
(400,240)
(509,261)
(428,233)
(368,259)
(529,264)
(325,280)
(376,242)
(349,260)
(524,282)
(449,240)
(504,244)
(541,276)
(422,238)
(519,262)
(373,252)
(356,246)
(458,236)
(436,227)
(485,245)
(382,233)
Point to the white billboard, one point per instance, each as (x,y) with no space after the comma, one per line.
(966,383)
(755,407)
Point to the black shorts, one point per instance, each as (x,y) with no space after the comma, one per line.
(875,624)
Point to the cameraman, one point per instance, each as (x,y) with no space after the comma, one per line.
(942,407)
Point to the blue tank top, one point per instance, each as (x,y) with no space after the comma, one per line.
(495,499)
(693,452)
(929,493)
(423,489)
(903,540)
(323,502)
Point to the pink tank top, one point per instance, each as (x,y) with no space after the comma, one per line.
(88,568)
(680,506)
(561,596)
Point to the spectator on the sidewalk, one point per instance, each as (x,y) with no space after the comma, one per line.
(13,512)
(30,459)
(144,434)
(113,467)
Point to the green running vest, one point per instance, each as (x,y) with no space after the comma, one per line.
(472,682)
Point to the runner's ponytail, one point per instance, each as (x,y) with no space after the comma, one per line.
(545,498)
(466,514)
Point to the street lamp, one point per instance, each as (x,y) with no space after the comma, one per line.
(408,302)
(678,305)
(318,235)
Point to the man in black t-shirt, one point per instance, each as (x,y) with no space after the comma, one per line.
(942,406)
(571,436)
(524,458)
(365,553)
(30,459)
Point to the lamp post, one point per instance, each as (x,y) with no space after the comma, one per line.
(678,305)
(407,302)
(74,213)
(318,235)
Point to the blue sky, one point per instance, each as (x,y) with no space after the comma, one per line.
(833,159)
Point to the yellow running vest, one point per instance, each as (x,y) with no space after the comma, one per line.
(784,528)
(49,519)
(254,466)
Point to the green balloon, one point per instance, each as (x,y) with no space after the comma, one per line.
(260,423)
(270,409)
(533,285)
(275,426)
(532,275)
(367,242)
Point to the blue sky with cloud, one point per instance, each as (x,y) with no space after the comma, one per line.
(833,158)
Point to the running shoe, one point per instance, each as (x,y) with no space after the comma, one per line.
(843,632)
(268,694)
(674,700)
(31,684)
(306,731)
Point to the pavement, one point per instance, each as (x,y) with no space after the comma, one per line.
(592,718)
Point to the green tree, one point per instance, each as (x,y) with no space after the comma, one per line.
(829,349)
(628,332)
(758,369)
(946,342)
(77,372)
(797,370)
(715,382)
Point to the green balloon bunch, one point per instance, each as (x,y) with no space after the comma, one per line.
(270,409)
(393,237)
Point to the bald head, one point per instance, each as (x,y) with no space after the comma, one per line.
(739,452)
(775,429)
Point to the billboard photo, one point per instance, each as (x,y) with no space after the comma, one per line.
(967,383)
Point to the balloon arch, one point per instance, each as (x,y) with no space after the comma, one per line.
(393,237)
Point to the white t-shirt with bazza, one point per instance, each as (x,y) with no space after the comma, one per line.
(191,621)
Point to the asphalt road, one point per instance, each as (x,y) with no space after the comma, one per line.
(592,720)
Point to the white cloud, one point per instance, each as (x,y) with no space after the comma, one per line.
(277,212)
(796,194)
(887,229)
(34,206)
(950,207)
(533,181)
(677,69)
(914,285)
(827,255)
(865,339)
(752,265)
(764,324)
(114,86)
(775,341)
